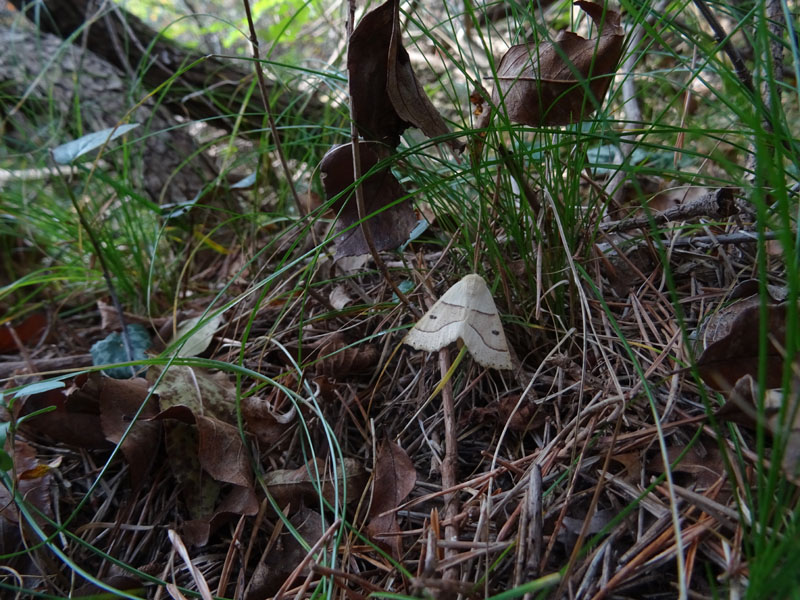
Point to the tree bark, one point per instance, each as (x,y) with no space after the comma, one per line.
(214,89)
(77,92)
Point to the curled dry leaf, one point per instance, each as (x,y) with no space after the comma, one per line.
(292,486)
(120,400)
(338,359)
(74,418)
(735,353)
(393,218)
(742,407)
(393,480)
(386,95)
(559,82)
(339,298)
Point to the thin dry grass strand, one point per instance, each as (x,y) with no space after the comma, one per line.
(197,576)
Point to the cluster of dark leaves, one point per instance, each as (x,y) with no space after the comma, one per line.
(552,83)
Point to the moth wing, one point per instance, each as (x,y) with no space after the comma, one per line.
(483,333)
(443,324)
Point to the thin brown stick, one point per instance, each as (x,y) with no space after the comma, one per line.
(449,479)
(721,36)
(262,86)
(717,205)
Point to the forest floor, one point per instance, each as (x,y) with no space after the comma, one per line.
(269,428)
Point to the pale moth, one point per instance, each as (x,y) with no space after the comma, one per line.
(466,312)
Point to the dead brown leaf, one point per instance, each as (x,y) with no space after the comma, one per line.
(262,422)
(735,352)
(339,360)
(393,219)
(559,82)
(292,486)
(393,480)
(76,418)
(386,95)
(120,400)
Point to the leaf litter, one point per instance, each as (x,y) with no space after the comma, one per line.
(213,454)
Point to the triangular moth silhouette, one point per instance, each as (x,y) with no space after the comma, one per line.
(467,312)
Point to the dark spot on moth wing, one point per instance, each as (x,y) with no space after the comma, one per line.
(495,332)
(432,317)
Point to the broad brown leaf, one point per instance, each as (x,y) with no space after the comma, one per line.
(120,400)
(393,219)
(559,82)
(293,486)
(735,353)
(76,418)
(393,480)
(339,360)
(386,95)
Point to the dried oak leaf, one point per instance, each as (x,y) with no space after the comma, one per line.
(559,82)
(735,353)
(204,448)
(338,359)
(393,480)
(120,401)
(386,95)
(292,486)
(389,219)
(74,418)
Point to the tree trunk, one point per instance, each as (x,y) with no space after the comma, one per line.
(77,92)
(213,89)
